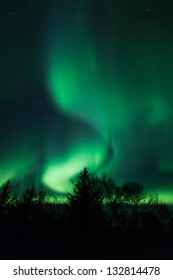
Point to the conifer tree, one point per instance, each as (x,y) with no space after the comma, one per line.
(85,203)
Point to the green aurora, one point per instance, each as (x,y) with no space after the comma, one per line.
(107,73)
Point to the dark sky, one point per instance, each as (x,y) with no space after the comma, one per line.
(87,83)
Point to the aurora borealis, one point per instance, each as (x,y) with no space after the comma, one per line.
(87,83)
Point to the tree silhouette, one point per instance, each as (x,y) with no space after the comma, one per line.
(118,209)
(85,203)
(31,201)
(5,195)
(7,198)
(104,220)
(133,193)
(126,205)
(107,187)
(85,215)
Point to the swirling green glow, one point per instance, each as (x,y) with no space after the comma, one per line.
(108,69)
(16,168)
(59,171)
(89,78)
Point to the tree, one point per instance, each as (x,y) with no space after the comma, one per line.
(33,196)
(7,199)
(85,203)
(134,195)
(159,209)
(31,204)
(126,204)
(117,209)
(85,216)
(107,187)
(29,196)
(5,194)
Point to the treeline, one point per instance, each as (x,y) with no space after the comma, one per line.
(100,220)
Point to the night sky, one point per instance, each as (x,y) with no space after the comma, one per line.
(86,83)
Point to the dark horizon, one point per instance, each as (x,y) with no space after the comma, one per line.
(84,227)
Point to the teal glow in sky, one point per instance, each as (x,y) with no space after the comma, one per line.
(91,85)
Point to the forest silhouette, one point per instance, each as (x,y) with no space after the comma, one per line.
(99,220)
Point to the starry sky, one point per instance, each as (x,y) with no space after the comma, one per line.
(86,83)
